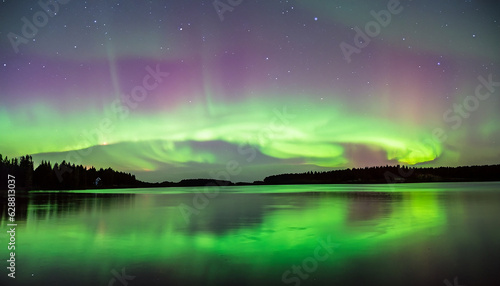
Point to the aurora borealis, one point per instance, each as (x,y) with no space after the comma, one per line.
(167,90)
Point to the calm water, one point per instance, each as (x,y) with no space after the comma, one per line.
(412,234)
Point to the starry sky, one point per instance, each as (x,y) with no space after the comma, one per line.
(242,89)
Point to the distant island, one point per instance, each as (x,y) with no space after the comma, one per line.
(67,176)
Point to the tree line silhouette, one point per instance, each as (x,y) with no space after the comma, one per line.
(390,174)
(64,176)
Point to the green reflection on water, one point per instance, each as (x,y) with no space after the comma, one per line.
(257,231)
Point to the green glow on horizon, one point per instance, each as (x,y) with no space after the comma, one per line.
(314,133)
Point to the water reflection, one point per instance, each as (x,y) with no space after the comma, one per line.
(251,235)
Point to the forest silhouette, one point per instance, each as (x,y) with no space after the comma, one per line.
(67,176)
(63,176)
(390,174)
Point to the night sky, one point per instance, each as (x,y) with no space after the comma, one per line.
(175,89)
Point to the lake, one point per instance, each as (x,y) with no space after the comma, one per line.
(404,234)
